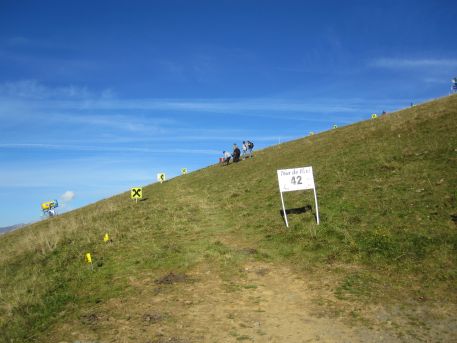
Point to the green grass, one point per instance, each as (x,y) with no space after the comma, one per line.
(387,192)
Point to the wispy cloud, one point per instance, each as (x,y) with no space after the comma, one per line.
(411,63)
(37,96)
(115,121)
(32,89)
(247,106)
(105,149)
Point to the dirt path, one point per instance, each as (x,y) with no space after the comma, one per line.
(259,302)
(268,304)
(271,305)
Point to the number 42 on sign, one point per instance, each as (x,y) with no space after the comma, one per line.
(296,179)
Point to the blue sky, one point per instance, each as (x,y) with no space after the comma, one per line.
(99,96)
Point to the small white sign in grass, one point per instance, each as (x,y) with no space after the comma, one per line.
(296,179)
(161,177)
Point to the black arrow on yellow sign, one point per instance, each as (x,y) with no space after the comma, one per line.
(136,193)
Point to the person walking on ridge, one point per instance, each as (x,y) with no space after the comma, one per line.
(250,146)
(245,150)
(236,153)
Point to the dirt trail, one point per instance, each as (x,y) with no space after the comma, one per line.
(261,302)
(268,304)
(272,305)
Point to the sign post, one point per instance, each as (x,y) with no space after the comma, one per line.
(136,193)
(161,177)
(296,179)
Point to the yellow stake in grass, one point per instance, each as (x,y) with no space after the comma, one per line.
(106,238)
(89,260)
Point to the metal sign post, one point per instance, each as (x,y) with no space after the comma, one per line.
(284,209)
(296,179)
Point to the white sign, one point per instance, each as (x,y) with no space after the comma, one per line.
(161,177)
(296,179)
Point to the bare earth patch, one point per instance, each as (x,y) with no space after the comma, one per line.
(269,303)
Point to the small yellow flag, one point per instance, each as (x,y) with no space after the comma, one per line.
(374,116)
(88,258)
(106,238)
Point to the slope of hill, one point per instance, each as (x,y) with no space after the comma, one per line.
(205,257)
(10,228)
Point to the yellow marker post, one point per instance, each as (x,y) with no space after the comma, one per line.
(106,238)
(374,116)
(161,177)
(89,260)
(183,171)
(136,193)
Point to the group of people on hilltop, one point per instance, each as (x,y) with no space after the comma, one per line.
(236,154)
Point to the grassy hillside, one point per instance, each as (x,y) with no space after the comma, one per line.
(387,242)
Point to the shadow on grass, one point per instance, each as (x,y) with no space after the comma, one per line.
(297,210)
(454,218)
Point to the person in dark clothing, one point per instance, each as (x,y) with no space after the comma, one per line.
(236,153)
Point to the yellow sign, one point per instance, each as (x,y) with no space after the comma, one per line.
(49,205)
(161,177)
(374,116)
(106,238)
(136,193)
(88,258)
(183,171)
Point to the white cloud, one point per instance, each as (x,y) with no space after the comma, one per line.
(79,105)
(411,63)
(67,196)
(32,89)
(104,148)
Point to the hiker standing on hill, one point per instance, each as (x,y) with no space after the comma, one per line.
(227,157)
(250,146)
(245,150)
(236,153)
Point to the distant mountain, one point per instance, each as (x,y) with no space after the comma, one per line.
(10,228)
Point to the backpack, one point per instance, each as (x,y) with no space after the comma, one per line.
(250,145)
